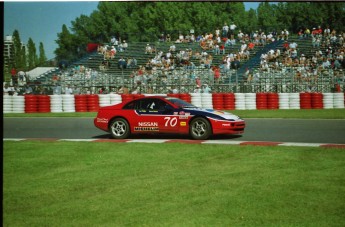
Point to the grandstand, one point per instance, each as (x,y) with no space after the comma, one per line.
(183,77)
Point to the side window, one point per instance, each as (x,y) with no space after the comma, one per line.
(130,106)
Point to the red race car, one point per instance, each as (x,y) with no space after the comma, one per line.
(162,114)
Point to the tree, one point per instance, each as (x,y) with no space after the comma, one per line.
(19,51)
(65,50)
(42,56)
(32,56)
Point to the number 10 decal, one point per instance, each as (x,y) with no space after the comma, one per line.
(172,121)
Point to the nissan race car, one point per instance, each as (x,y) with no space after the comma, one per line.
(162,114)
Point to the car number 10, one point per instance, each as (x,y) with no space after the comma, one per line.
(172,121)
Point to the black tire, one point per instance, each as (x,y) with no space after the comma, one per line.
(119,128)
(200,129)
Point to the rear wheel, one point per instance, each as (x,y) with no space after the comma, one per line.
(119,128)
(200,129)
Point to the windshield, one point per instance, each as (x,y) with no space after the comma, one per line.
(180,103)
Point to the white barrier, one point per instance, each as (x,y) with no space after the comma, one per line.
(104,100)
(328,100)
(68,103)
(196,99)
(250,101)
(206,101)
(240,101)
(56,103)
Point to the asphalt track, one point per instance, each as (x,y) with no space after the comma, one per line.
(266,130)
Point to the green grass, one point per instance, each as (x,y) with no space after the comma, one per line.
(299,114)
(107,184)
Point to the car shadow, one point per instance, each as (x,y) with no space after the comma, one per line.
(169,136)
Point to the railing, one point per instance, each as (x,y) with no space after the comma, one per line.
(184,80)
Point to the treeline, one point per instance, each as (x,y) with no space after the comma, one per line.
(25,56)
(145,21)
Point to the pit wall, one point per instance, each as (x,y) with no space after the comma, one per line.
(218,101)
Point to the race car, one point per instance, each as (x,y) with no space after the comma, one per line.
(163,114)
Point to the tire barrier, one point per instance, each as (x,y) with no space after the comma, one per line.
(18,104)
(272,101)
(104,100)
(229,101)
(316,100)
(196,99)
(92,103)
(218,101)
(261,101)
(80,103)
(31,103)
(7,104)
(43,103)
(305,100)
(185,97)
(250,101)
(68,103)
(338,100)
(207,101)
(115,99)
(294,101)
(284,101)
(56,103)
(240,101)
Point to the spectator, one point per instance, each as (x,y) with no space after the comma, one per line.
(68,90)
(197,89)
(124,45)
(131,62)
(168,38)
(122,64)
(225,30)
(206,89)
(7,90)
(14,77)
(232,29)
(148,49)
(28,89)
(113,41)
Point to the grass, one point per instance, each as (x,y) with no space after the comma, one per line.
(299,114)
(106,184)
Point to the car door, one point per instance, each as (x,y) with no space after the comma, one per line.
(156,115)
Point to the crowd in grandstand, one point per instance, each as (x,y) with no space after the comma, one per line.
(327,54)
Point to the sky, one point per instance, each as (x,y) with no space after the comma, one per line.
(42,21)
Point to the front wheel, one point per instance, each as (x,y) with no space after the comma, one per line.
(200,129)
(119,128)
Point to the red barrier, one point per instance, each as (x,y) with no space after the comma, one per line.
(218,101)
(31,104)
(229,101)
(317,100)
(43,103)
(261,101)
(305,100)
(80,103)
(92,103)
(173,95)
(272,101)
(185,97)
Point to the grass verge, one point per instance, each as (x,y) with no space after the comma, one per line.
(106,184)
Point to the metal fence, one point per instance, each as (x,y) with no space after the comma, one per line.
(184,80)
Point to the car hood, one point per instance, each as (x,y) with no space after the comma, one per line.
(221,114)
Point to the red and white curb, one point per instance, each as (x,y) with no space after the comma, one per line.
(185,141)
